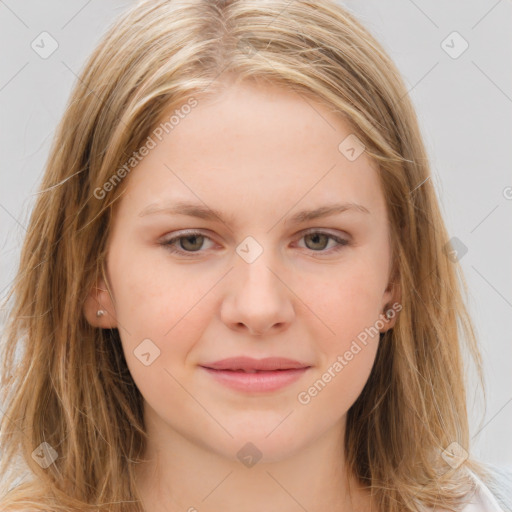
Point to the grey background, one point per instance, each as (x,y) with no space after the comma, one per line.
(464,107)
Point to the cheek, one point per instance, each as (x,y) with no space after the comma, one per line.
(348,301)
(153,303)
(161,317)
(334,389)
(152,293)
(354,308)
(350,308)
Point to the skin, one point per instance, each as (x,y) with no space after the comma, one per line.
(258,153)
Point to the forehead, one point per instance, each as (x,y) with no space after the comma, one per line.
(257,144)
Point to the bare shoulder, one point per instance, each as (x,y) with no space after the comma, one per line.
(495,487)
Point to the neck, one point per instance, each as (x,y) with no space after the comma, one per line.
(180,475)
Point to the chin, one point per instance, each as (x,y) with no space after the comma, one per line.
(256,445)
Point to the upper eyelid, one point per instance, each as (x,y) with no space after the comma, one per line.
(191,232)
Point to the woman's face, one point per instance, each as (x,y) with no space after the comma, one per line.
(259,283)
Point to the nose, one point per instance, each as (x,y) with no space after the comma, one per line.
(258,300)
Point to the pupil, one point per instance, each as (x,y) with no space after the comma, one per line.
(315,237)
(192,237)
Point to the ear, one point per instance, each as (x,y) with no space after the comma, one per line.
(98,300)
(391,304)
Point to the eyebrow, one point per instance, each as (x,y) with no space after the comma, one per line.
(203,212)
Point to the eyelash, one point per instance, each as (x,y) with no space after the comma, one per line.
(168,244)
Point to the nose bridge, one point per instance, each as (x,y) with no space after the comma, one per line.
(258,299)
(258,258)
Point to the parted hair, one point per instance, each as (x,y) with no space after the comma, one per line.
(67,384)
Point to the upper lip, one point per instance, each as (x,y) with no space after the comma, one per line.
(248,363)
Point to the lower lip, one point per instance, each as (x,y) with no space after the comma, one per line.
(264,381)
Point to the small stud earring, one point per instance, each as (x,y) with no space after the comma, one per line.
(389,314)
(100,312)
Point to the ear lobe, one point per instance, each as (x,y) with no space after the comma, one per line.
(392,306)
(99,300)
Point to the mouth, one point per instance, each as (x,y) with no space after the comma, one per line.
(256,375)
(251,365)
(241,370)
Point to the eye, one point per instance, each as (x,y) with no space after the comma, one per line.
(191,242)
(317,240)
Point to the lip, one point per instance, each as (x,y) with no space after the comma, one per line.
(256,375)
(249,363)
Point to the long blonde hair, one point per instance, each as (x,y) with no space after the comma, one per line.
(70,386)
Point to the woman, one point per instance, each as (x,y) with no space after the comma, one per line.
(255,370)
